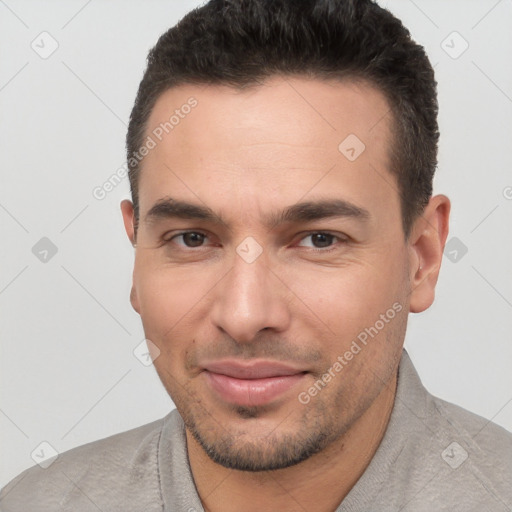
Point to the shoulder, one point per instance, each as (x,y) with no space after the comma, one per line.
(448,456)
(487,445)
(107,474)
(469,460)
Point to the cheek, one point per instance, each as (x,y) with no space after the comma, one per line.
(345,301)
(169,300)
(166,293)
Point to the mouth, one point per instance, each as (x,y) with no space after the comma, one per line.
(251,384)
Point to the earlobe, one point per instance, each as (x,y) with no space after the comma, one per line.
(134,301)
(427,241)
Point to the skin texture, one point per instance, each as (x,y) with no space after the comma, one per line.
(247,155)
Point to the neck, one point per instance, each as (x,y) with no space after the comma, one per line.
(319,483)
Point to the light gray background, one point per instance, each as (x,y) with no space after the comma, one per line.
(68,373)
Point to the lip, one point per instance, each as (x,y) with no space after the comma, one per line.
(256,369)
(251,383)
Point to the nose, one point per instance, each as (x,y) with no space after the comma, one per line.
(250,298)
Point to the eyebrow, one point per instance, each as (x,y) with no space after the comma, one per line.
(303,212)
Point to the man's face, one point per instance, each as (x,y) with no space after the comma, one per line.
(260,298)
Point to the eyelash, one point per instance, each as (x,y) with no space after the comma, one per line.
(340,239)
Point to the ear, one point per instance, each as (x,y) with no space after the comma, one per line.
(426,245)
(128,219)
(129,226)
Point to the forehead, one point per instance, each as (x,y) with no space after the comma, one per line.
(283,139)
(313,110)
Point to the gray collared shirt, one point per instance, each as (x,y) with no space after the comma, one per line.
(434,456)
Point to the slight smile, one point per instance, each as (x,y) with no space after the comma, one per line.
(254,384)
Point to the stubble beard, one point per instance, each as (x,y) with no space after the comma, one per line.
(284,446)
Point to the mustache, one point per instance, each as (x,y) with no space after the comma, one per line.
(264,347)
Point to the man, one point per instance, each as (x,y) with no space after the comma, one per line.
(281,158)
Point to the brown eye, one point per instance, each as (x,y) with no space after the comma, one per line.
(322,240)
(192,239)
(189,239)
(318,240)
